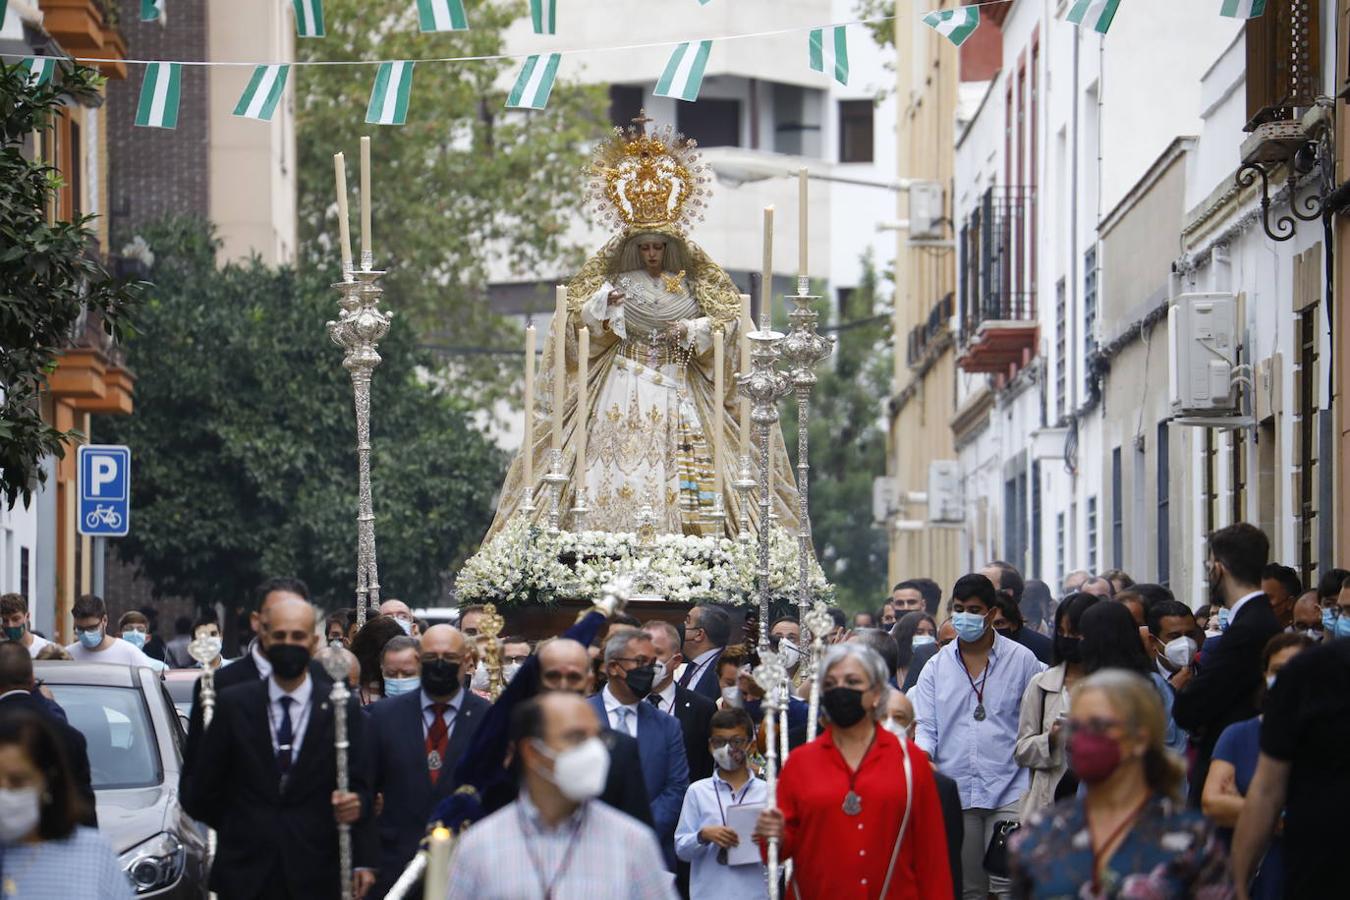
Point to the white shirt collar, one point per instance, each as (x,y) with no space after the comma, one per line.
(702,659)
(1238,605)
(453,703)
(668,698)
(300,695)
(264,667)
(612,703)
(17,692)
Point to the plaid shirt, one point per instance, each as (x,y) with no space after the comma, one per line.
(598,853)
(81,865)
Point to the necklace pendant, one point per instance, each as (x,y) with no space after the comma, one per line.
(852,804)
(11,887)
(433,761)
(979,712)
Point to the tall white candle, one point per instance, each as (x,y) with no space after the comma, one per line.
(747,444)
(344,218)
(527,448)
(559,363)
(719,408)
(583,408)
(802,241)
(437,880)
(366,252)
(766,278)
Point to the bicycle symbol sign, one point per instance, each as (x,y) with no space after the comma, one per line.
(105,490)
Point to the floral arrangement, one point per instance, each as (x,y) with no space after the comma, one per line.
(524,564)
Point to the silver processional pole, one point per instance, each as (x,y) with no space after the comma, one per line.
(335,664)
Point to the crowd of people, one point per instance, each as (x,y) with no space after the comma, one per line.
(1115,742)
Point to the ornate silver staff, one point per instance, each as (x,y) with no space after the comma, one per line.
(802,350)
(764,387)
(205,649)
(771,676)
(335,664)
(818,621)
(360,326)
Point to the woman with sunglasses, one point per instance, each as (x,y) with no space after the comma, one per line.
(1130,835)
(857,808)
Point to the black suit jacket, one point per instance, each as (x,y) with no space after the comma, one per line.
(1037,643)
(916,664)
(625,790)
(281,839)
(708,684)
(695,712)
(398,770)
(1224,689)
(77,750)
(953,819)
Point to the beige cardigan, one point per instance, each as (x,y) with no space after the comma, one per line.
(1042,703)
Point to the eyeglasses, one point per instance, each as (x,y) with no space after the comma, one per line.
(453,658)
(1093,725)
(518,659)
(637,661)
(738,743)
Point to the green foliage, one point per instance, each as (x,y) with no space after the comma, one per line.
(48,278)
(848,448)
(883,32)
(244,439)
(462,184)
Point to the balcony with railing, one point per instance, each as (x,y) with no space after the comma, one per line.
(998,282)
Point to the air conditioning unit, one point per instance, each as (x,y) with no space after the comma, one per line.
(1202,336)
(945,506)
(925,211)
(885,499)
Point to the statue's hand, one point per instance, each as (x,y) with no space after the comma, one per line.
(616,298)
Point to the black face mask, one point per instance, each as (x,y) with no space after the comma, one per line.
(1068,649)
(288,660)
(440,677)
(640,680)
(843,705)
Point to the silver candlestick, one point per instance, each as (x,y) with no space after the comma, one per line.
(334,662)
(555,479)
(360,326)
(817,623)
(803,348)
(744,484)
(764,387)
(771,676)
(579,510)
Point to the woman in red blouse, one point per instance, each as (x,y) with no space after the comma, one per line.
(857,810)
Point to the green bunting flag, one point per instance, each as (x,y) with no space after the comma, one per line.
(544,16)
(684,72)
(1094,14)
(1243,9)
(152,10)
(4,10)
(389,97)
(158,106)
(534,83)
(442,15)
(828,52)
(308,18)
(954,24)
(260,98)
(40,68)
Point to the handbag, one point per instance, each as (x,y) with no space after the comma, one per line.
(996,854)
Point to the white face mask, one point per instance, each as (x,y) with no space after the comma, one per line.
(1180,652)
(920,640)
(509,671)
(722,756)
(20,811)
(480,677)
(660,670)
(789,653)
(893,726)
(578,772)
(731,697)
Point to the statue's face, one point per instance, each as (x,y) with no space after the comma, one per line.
(653,253)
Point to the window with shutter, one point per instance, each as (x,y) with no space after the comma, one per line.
(1283,60)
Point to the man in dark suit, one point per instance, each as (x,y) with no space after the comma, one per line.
(1008,587)
(16,695)
(416,740)
(707,630)
(267,776)
(630,664)
(1224,688)
(694,711)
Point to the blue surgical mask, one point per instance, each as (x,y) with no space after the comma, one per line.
(920,640)
(1329,619)
(1225,614)
(395,686)
(91,638)
(134,638)
(970,627)
(1342,628)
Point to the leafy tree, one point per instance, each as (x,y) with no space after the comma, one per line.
(48,280)
(244,439)
(848,447)
(463,184)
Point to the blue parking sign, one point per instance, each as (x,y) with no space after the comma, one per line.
(105,490)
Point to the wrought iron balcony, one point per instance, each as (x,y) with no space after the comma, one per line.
(998,282)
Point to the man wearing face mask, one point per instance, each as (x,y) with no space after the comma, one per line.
(399,611)
(14,618)
(419,732)
(630,660)
(968,699)
(134,628)
(554,841)
(267,777)
(94,644)
(515,650)
(707,631)
(1224,689)
(1172,631)
(692,711)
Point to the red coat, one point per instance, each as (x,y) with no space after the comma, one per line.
(836,855)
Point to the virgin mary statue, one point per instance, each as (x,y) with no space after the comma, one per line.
(652,301)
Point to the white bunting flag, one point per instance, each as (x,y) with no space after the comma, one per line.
(158,107)
(260,98)
(152,10)
(684,72)
(308,18)
(954,24)
(1243,9)
(827,50)
(1094,14)
(442,15)
(534,83)
(40,70)
(544,16)
(389,97)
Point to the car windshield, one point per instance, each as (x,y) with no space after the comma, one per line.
(123,752)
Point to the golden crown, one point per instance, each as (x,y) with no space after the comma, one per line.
(648,180)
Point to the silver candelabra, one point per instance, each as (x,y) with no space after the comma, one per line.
(360,326)
(771,676)
(803,348)
(817,624)
(334,662)
(556,479)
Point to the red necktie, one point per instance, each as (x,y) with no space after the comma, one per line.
(437,739)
